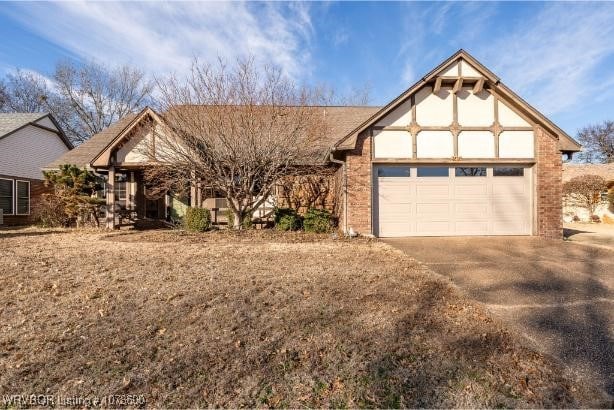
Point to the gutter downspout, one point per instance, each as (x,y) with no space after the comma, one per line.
(345,189)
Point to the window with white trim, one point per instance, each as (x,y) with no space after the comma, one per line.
(7,196)
(23,197)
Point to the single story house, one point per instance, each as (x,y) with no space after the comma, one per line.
(28,142)
(606,171)
(458,153)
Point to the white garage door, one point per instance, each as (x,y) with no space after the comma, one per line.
(446,201)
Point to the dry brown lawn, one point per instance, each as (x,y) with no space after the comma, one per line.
(257,319)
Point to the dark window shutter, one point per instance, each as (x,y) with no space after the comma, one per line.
(23,197)
(6,196)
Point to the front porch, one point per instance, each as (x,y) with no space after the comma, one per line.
(130,202)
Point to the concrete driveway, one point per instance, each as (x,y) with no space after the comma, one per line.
(560,295)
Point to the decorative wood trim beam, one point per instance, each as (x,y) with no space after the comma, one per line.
(458,162)
(451,128)
(437,86)
(455,126)
(451,78)
(412,127)
(516,128)
(479,86)
(389,128)
(496,124)
(458,85)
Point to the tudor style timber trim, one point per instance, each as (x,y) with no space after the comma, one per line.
(488,80)
(455,128)
(105,156)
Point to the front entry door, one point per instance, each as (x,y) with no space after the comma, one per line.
(154,208)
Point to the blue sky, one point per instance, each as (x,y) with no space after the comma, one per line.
(558,56)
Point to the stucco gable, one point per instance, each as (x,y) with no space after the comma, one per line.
(458,71)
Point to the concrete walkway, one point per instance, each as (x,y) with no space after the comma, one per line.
(560,295)
(590,234)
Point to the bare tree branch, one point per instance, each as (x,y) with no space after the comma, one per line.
(585,191)
(239,130)
(84,99)
(598,142)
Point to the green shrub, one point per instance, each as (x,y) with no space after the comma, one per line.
(286,219)
(197,219)
(317,220)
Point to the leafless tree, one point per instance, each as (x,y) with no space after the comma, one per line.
(23,91)
(356,96)
(91,97)
(585,191)
(239,130)
(83,98)
(598,142)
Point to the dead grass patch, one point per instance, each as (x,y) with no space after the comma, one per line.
(253,320)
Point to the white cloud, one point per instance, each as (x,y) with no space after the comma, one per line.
(341,37)
(554,58)
(434,31)
(554,55)
(165,37)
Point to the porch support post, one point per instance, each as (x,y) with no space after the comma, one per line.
(132,192)
(199,195)
(110,185)
(193,191)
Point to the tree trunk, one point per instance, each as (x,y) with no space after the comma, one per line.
(236,219)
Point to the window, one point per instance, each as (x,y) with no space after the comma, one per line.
(120,191)
(433,171)
(120,187)
(508,171)
(6,196)
(23,197)
(470,172)
(387,172)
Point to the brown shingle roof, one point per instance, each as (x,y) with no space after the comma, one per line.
(340,120)
(85,153)
(571,170)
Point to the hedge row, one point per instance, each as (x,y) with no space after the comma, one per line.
(314,220)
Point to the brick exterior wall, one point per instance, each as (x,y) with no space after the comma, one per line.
(358,163)
(548,186)
(37,188)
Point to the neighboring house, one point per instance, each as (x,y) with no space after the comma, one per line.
(458,153)
(606,171)
(27,143)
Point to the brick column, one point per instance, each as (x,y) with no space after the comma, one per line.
(549,186)
(359,176)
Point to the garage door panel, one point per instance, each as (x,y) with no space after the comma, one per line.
(470,191)
(432,209)
(510,227)
(458,205)
(504,189)
(432,227)
(470,210)
(434,191)
(471,227)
